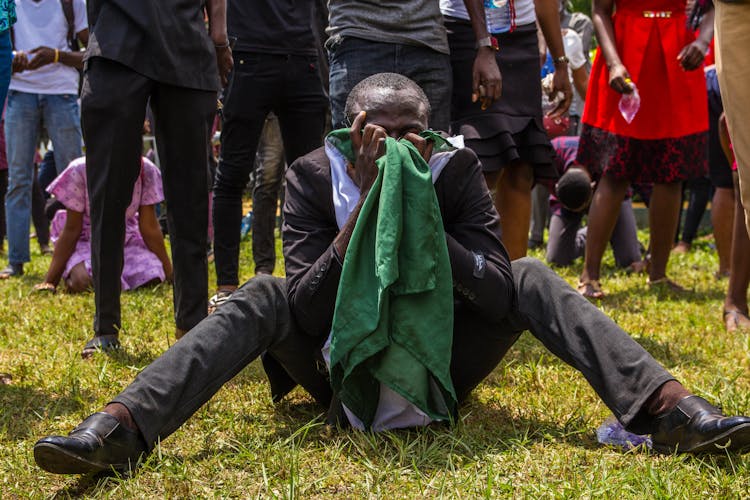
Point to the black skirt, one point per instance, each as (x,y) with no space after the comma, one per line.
(511,131)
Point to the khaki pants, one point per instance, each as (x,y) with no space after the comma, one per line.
(733,68)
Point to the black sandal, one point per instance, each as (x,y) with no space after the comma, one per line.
(100,343)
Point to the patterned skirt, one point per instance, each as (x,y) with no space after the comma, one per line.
(643,161)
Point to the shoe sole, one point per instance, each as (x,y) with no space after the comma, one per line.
(58,460)
(736,439)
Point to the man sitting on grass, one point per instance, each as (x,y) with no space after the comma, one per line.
(290,319)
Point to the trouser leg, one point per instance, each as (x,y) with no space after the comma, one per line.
(624,238)
(172,388)
(113,104)
(268,175)
(621,372)
(254,82)
(38,217)
(564,245)
(539,213)
(181,118)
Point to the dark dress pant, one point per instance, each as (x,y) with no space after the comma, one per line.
(113,108)
(288,85)
(257,319)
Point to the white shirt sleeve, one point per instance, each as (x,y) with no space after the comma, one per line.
(574,49)
(80,15)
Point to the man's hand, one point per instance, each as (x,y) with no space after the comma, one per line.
(368,144)
(691,56)
(224,62)
(424,146)
(42,57)
(20,62)
(561,84)
(619,79)
(487,82)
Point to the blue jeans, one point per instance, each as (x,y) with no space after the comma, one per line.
(354,59)
(24,116)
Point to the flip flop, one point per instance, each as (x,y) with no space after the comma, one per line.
(100,343)
(218,299)
(591,289)
(735,320)
(667,284)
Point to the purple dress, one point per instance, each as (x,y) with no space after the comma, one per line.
(140,264)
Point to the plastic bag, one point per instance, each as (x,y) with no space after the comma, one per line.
(612,433)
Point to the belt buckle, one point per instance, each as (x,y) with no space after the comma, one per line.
(660,14)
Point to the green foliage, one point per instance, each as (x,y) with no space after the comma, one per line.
(580,6)
(527,431)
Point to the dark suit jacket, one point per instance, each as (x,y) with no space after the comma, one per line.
(482,279)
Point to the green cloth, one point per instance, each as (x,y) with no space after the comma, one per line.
(393,321)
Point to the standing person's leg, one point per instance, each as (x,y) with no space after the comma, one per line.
(182,118)
(539,215)
(255,81)
(513,203)
(113,104)
(3,189)
(563,243)
(603,213)
(38,215)
(268,175)
(63,119)
(700,192)
(22,119)
(722,220)
(624,239)
(733,69)
(735,302)
(663,215)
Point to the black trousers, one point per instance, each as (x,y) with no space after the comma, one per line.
(288,85)
(257,319)
(113,107)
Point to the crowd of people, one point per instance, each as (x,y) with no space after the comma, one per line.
(448,129)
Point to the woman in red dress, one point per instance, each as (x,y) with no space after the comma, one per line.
(643,43)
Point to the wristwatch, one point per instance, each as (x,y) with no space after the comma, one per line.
(560,60)
(488,41)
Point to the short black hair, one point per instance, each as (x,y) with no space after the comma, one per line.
(389,81)
(574,189)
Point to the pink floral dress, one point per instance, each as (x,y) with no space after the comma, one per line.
(140,264)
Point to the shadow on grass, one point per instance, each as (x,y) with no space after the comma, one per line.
(22,406)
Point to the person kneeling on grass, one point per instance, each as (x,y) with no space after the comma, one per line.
(146,259)
(382,228)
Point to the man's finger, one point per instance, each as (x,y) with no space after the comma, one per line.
(355,132)
(427,153)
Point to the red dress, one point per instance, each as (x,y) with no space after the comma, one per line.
(667,140)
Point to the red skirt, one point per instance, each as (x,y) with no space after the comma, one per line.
(674,102)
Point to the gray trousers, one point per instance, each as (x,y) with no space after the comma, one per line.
(257,319)
(567,239)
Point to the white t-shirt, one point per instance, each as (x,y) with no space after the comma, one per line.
(525,13)
(43,24)
(574,51)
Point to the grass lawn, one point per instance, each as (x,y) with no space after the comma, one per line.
(527,431)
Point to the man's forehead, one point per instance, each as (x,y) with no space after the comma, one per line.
(405,101)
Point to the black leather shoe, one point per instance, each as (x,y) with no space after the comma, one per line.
(98,443)
(695,426)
